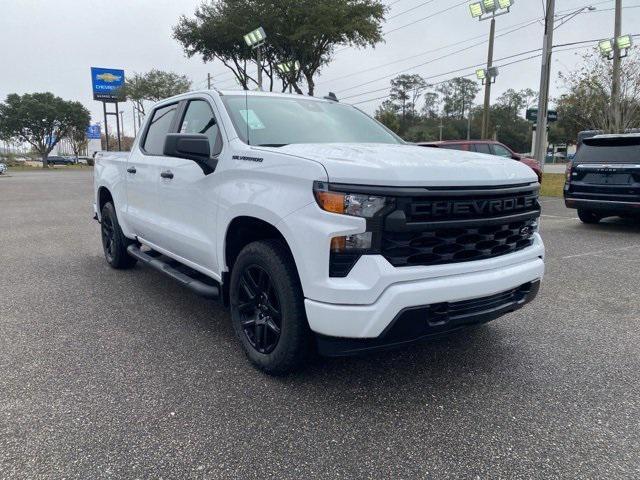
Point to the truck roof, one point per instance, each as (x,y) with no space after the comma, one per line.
(250,93)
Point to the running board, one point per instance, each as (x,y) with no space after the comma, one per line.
(201,288)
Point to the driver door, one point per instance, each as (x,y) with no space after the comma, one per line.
(186,195)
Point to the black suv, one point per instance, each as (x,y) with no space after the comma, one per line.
(54,160)
(603,180)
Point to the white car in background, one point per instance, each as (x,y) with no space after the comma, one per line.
(3,168)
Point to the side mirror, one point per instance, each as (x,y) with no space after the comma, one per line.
(191,146)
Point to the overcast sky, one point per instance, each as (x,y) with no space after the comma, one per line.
(50,45)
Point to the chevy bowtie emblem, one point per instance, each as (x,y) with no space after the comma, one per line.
(527,230)
(108,77)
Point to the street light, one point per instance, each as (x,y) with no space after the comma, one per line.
(255,39)
(287,68)
(623,42)
(485,10)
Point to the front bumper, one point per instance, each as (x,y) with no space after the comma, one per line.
(371,321)
(430,321)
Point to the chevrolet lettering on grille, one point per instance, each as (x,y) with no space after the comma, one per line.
(475,208)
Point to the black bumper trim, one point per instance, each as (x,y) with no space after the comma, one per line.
(414,324)
(602,205)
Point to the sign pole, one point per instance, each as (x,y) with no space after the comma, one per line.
(118,128)
(106,127)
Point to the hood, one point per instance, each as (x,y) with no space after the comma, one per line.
(409,165)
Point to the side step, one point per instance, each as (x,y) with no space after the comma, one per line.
(201,288)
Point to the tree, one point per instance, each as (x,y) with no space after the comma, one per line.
(457,95)
(517,101)
(431,105)
(153,86)
(587,105)
(41,119)
(387,114)
(404,95)
(77,140)
(307,31)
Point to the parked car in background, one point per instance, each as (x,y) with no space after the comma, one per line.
(603,180)
(489,147)
(3,168)
(56,160)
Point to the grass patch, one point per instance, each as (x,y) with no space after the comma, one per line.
(552,184)
(28,168)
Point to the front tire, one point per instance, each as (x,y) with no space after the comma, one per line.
(267,308)
(114,243)
(587,216)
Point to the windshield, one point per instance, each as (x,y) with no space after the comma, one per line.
(278,121)
(609,150)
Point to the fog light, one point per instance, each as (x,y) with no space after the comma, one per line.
(359,241)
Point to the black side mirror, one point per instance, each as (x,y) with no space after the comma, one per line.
(191,146)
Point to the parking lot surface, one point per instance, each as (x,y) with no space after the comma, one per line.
(112,374)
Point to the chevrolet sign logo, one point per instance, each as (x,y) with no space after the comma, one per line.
(440,208)
(108,77)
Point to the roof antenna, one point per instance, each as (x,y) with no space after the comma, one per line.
(332,97)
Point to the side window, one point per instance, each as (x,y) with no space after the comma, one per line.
(483,148)
(199,118)
(158,129)
(501,151)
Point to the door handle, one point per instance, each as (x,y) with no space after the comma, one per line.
(167,174)
(131,170)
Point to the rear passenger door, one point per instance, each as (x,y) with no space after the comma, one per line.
(143,172)
(483,148)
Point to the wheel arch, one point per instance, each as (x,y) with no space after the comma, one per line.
(241,231)
(103,196)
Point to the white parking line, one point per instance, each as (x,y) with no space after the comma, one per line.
(559,216)
(600,252)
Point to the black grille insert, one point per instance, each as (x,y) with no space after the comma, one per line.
(460,228)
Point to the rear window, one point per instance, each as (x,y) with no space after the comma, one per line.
(609,150)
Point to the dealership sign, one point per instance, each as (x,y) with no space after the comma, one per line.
(93,132)
(105,83)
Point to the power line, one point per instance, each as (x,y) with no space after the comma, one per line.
(410,9)
(464,49)
(557,49)
(524,24)
(425,18)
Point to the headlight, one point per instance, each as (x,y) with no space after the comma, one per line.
(354,204)
(345,250)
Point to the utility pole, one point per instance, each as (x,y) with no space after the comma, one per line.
(133,111)
(545,78)
(208,81)
(487,85)
(616,123)
(469,124)
(441,127)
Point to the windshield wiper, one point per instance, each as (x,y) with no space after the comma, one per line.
(273,145)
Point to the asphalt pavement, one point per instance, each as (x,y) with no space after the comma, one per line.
(112,374)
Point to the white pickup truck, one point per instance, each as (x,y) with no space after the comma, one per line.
(319,228)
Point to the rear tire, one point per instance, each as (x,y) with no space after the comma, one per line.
(114,243)
(587,216)
(267,308)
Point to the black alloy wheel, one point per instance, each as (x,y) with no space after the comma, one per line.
(108,237)
(260,309)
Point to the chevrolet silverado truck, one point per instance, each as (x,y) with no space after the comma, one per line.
(321,230)
(603,180)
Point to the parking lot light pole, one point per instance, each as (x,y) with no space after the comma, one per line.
(255,39)
(617,57)
(485,10)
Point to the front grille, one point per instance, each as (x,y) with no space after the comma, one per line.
(456,244)
(460,228)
